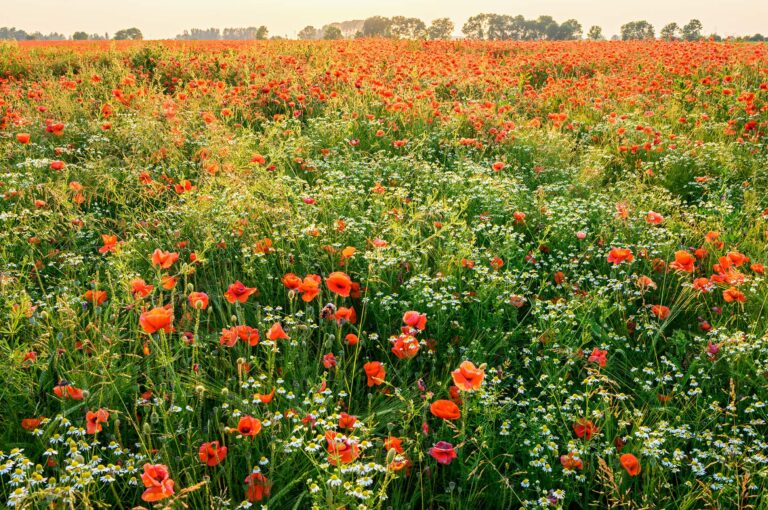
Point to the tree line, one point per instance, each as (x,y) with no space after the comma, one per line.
(484,26)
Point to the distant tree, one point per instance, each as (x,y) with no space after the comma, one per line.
(332,33)
(569,29)
(692,30)
(129,34)
(756,38)
(376,26)
(637,30)
(261,33)
(308,33)
(440,28)
(407,28)
(595,33)
(546,28)
(670,32)
(80,36)
(477,26)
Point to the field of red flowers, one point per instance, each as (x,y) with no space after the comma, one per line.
(384,275)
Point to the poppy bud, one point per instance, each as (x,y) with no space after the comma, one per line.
(154,418)
(146,428)
(224,392)
(391,456)
(86,394)
(199,389)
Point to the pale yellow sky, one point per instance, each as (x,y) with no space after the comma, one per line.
(166,18)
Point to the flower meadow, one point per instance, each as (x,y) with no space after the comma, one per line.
(381,274)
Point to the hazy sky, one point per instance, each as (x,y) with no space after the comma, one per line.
(165,18)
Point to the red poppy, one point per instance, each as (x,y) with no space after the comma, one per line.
(630,463)
(139,288)
(198,300)
(584,428)
(67,391)
(571,462)
(347,421)
(212,453)
(598,356)
(31,423)
(23,138)
(734,295)
(276,332)
(660,311)
(415,320)
(351,339)
(653,218)
(237,292)
(249,426)
(257,487)
(157,481)
(329,360)
(375,372)
(157,319)
(394,443)
(443,452)
(618,255)
(164,259)
(93,420)
(339,283)
(405,347)
(468,377)
(291,281)
(97,297)
(684,261)
(309,287)
(340,449)
(109,243)
(445,409)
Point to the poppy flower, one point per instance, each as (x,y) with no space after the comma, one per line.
(265,398)
(405,347)
(618,255)
(347,421)
(257,487)
(352,339)
(645,282)
(139,288)
(375,372)
(157,481)
(394,443)
(684,261)
(67,391)
(212,453)
(309,287)
(598,356)
(415,320)
(164,259)
(97,297)
(653,218)
(109,243)
(291,281)
(571,462)
(276,332)
(31,423)
(584,428)
(443,452)
(198,300)
(660,311)
(57,165)
(237,292)
(340,449)
(93,420)
(445,409)
(702,284)
(168,282)
(339,283)
(249,426)
(157,319)
(345,315)
(329,360)
(23,138)
(630,463)
(734,295)
(468,377)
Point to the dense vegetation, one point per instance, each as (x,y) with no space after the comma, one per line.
(384,274)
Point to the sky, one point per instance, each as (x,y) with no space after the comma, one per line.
(163,19)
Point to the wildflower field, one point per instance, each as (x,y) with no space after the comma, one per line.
(382,274)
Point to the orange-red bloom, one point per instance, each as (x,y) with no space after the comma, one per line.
(157,319)
(340,449)
(93,420)
(212,453)
(198,300)
(618,255)
(584,428)
(684,261)
(445,409)
(339,283)
(164,259)
(375,372)
(468,377)
(157,481)
(630,463)
(257,487)
(249,426)
(237,292)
